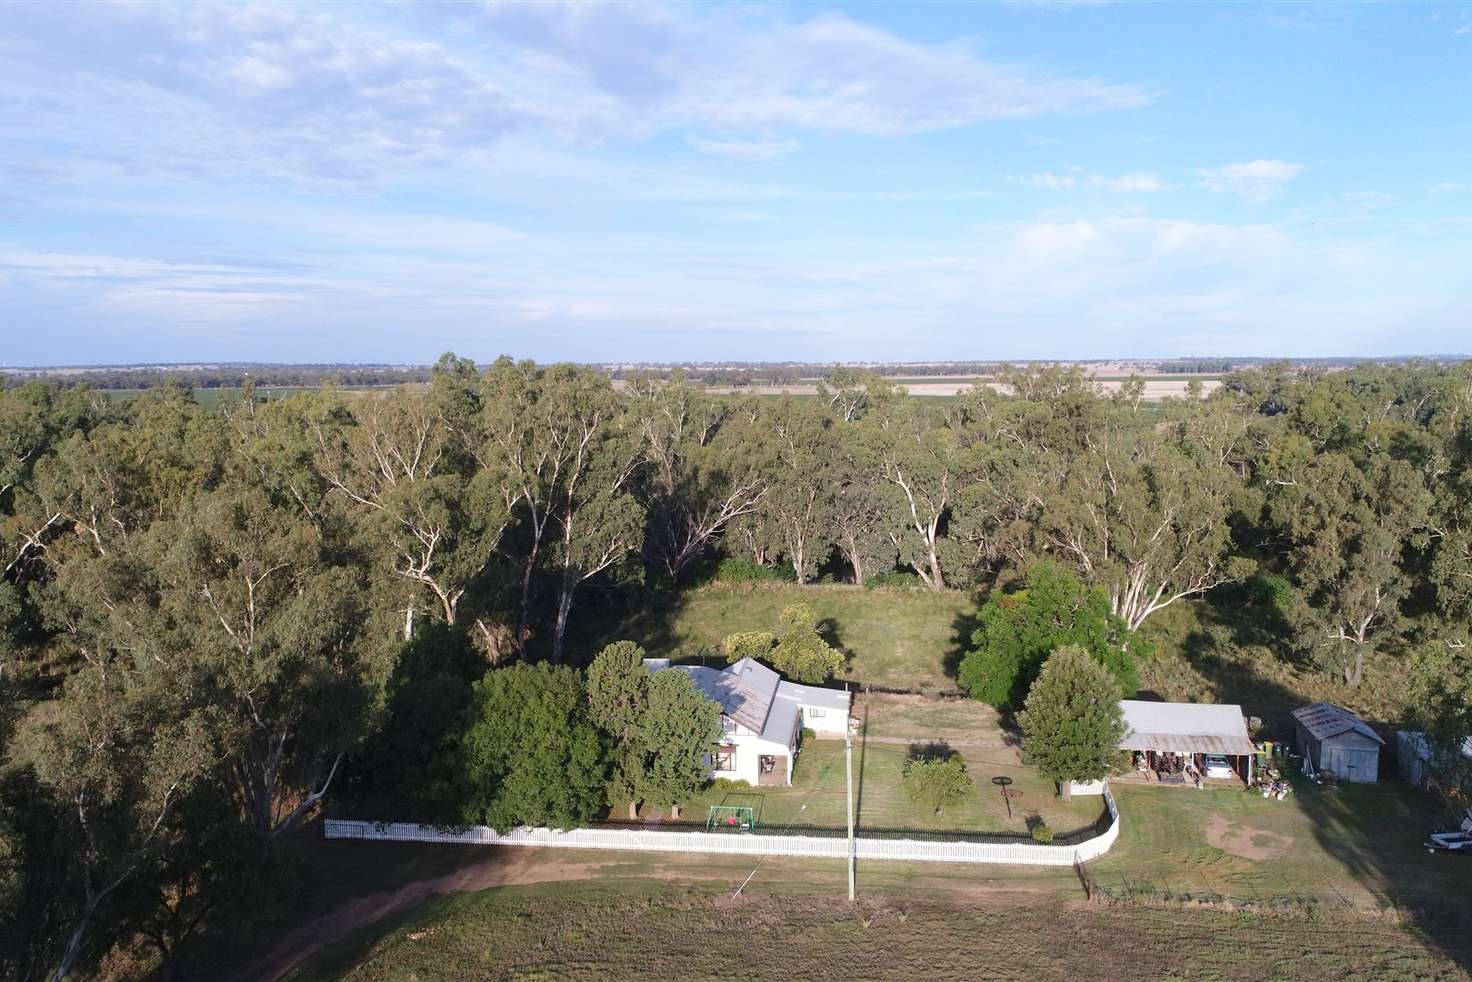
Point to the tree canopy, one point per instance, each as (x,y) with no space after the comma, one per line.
(1020,630)
(1072,722)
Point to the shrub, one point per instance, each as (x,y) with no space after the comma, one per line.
(730,784)
(736,570)
(896,578)
(1042,834)
(936,782)
(748,644)
(807,734)
(801,653)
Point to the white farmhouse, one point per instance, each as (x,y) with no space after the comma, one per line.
(761,716)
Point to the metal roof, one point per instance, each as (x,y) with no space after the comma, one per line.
(745,690)
(755,696)
(1184,727)
(814,695)
(1324,720)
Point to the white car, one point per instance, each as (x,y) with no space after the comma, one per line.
(1215,765)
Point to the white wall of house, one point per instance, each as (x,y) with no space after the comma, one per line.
(749,747)
(824,720)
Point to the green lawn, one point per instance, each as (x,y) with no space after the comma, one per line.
(817,795)
(894,637)
(1352,843)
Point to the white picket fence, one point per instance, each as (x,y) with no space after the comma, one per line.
(735,843)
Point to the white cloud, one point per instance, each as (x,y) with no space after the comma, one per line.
(1452,186)
(1048,181)
(757,151)
(1255,180)
(344,95)
(1135,182)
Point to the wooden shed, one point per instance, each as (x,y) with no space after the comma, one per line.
(1334,740)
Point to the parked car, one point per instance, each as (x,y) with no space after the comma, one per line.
(1458,841)
(1449,842)
(1215,765)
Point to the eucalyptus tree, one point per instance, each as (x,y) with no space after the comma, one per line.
(434,513)
(705,467)
(923,464)
(598,518)
(1349,525)
(1144,515)
(118,754)
(799,507)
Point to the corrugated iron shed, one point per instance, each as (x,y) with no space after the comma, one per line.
(1185,728)
(1324,720)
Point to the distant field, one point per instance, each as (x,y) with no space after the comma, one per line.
(1156,387)
(219,395)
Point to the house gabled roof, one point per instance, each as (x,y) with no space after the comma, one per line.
(1324,720)
(745,690)
(1184,727)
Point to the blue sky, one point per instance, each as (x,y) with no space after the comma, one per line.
(817,182)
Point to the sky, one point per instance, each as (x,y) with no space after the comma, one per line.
(652,182)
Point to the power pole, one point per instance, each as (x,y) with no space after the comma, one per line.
(848,754)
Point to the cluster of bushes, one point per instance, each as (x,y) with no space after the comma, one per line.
(736,570)
(894,579)
(935,776)
(798,650)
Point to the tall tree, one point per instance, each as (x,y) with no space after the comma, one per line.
(679,728)
(618,699)
(1144,515)
(435,512)
(799,505)
(1072,722)
(705,469)
(923,464)
(1020,630)
(1348,525)
(532,756)
(120,756)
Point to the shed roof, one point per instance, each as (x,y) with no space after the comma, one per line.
(1324,720)
(1184,727)
(814,695)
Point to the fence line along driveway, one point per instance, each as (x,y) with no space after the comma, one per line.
(736,843)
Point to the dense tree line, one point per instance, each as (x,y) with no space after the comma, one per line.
(213,621)
(231,376)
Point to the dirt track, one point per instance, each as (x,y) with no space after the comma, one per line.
(503,867)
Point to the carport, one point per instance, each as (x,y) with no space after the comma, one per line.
(1169,739)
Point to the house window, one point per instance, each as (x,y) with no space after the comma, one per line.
(724,759)
(816,713)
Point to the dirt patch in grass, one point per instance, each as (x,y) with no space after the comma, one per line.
(504,868)
(1245,841)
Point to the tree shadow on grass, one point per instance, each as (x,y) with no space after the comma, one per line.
(1375,831)
(963,629)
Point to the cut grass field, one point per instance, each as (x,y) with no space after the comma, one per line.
(696,931)
(1353,844)
(893,637)
(817,796)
